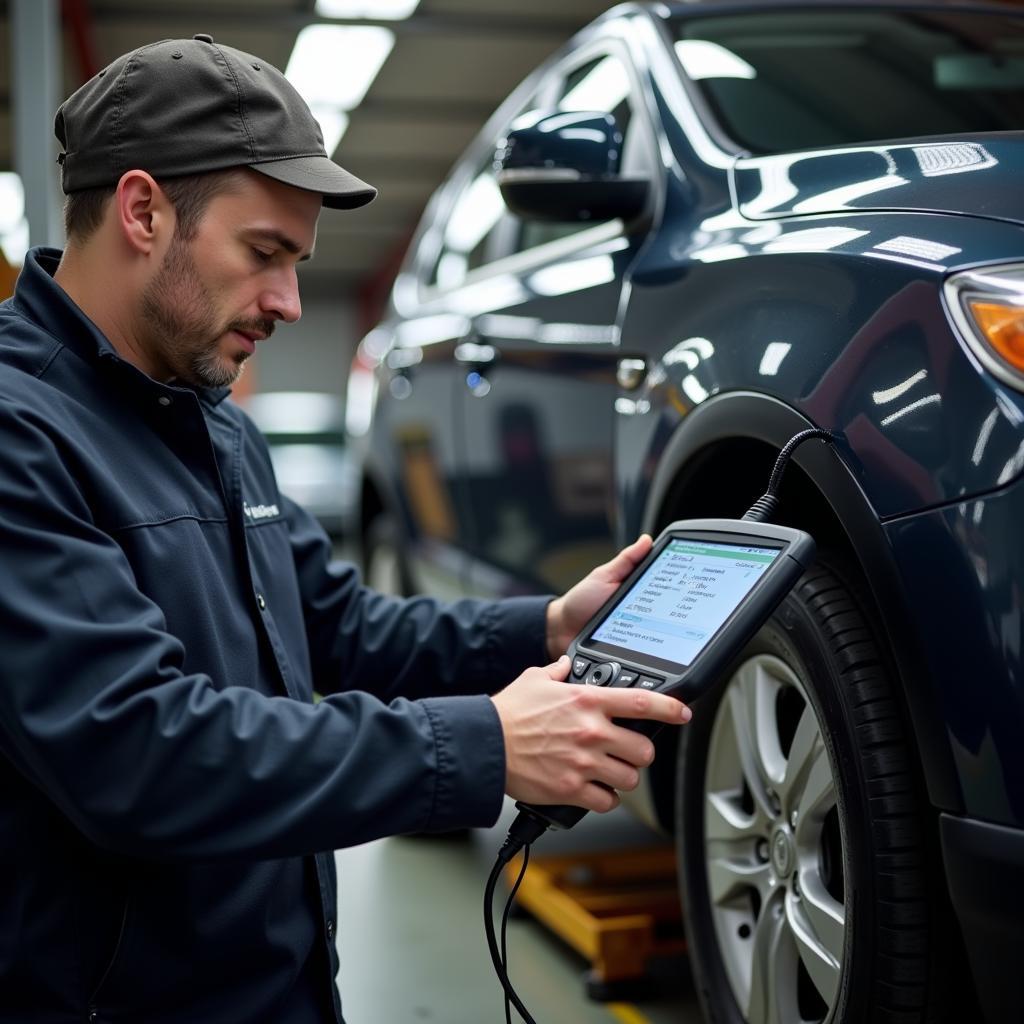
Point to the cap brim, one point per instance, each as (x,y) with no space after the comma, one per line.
(340,190)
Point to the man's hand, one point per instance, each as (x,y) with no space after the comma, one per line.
(561,746)
(568,614)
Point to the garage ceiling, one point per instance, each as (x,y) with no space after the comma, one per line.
(452,63)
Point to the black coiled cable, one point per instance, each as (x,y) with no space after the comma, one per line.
(764,508)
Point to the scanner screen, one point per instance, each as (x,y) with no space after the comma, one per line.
(683,598)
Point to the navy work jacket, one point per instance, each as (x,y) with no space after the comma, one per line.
(169,792)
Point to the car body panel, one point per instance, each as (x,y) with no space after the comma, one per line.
(858,340)
(959,552)
(925,177)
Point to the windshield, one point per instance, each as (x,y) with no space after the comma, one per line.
(788,80)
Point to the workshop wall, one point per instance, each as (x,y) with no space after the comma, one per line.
(311,355)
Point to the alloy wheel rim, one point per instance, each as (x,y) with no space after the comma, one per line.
(773,848)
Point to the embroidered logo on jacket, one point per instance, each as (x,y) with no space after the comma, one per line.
(260,511)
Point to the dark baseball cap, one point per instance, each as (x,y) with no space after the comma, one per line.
(189,106)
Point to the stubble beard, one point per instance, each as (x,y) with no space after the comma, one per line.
(181,319)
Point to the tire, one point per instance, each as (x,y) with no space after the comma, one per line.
(384,563)
(801,853)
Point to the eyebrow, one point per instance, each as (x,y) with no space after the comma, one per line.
(278,238)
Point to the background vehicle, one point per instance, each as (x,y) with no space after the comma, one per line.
(691,245)
(305,431)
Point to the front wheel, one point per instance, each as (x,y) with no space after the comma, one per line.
(802,859)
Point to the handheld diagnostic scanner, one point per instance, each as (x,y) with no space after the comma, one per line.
(704,589)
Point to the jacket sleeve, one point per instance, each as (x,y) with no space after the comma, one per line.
(145,759)
(414,647)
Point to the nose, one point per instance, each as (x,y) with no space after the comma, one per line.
(281,298)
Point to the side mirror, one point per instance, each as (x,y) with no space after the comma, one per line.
(565,167)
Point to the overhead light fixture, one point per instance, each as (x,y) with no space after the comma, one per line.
(335,64)
(378,10)
(332,67)
(13,225)
(333,123)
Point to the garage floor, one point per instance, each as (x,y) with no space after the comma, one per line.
(412,941)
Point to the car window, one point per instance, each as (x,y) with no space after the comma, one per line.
(473,233)
(599,84)
(479,228)
(780,81)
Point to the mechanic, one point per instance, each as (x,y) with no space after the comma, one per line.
(169,790)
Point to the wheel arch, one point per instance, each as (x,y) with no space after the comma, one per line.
(717,463)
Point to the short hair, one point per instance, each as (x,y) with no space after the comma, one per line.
(190,196)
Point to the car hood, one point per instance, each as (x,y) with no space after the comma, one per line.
(977,175)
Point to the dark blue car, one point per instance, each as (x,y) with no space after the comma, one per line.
(696,231)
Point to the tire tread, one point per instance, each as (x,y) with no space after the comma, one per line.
(901,904)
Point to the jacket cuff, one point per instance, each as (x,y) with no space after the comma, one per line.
(470,762)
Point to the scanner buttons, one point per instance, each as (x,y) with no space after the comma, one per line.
(603,675)
(611,674)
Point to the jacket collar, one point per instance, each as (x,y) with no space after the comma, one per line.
(46,303)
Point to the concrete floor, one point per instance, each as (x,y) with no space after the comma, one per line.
(412,941)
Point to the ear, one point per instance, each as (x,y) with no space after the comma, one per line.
(144,216)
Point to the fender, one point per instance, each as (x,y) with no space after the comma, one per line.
(749,416)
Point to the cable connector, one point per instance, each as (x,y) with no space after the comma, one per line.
(764,508)
(524,830)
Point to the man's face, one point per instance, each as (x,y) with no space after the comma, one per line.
(218,294)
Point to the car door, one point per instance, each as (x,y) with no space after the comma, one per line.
(539,365)
(420,421)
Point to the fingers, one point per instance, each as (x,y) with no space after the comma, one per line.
(596,797)
(563,743)
(620,775)
(600,791)
(621,702)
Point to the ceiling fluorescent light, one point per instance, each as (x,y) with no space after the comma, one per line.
(13,225)
(334,65)
(378,10)
(333,123)
(12,200)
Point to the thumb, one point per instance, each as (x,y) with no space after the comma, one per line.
(628,558)
(559,669)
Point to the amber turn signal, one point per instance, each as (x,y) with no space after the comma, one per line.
(1002,326)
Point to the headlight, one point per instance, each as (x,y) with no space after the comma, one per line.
(988,307)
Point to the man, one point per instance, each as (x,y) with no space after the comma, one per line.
(169,792)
